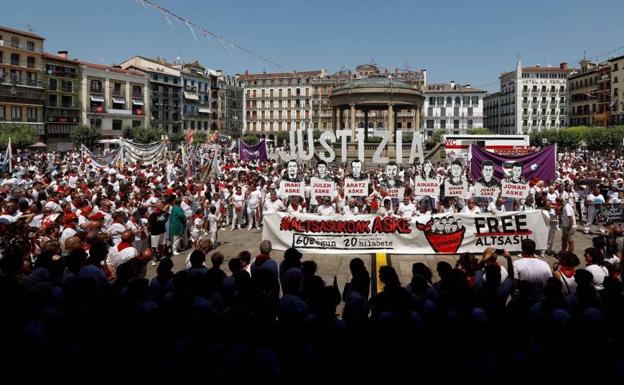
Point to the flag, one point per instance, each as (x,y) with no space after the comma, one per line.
(8,156)
(189,136)
(252,152)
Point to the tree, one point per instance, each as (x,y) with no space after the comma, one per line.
(200,137)
(89,136)
(143,134)
(22,135)
(250,139)
(478,131)
(437,136)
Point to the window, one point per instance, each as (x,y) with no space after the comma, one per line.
(615,92)
(136,123)
(66,85)
(31,114)
(552,111)
(562,100)
(52,100)
(67,101)
(562,111)
(525,123)
(457,100)
(615,66)
(15,42)
(456,123)
(429,111)
(443,111)
(96,86)
(116,88)
(449,100)
(16,113)
(552,122)
(456,111)
(30,45)
(615,78)
(2,116)
(470,111)
(431,101)
(475,100)
(137,91)
(117,124)
(96,123)
(469,123)
(52,84)
(534,88)
(443,124)
(30,62)
(15,59)
(429,123)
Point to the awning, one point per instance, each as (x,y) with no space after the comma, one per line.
(137,102)
(96,98)
(119,100)
(191,96)
(204,110)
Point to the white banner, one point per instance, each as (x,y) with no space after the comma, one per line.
(291,188)
(484,191)
(429,187)
(355,188)
(514,190)
(455,190)
(322,187)
(440,233)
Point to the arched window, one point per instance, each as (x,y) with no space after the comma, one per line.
(371,125)
(432,100)
(380,125)
(457,100)
(399,125)
(315,124)
(361,125)
(409,124)
(475,100)
(449,100)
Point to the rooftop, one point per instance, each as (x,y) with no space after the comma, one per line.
(23,33)
(451,88)
(279,75)
(113,69)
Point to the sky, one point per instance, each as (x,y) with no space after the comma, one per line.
(470,42)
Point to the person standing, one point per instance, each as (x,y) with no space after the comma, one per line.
(157,226)
(213,222)
(531,269)
(177,225)
(568,225)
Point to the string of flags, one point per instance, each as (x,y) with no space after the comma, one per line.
(169,15)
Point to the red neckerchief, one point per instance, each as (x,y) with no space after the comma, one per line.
(567,271)
(123,245)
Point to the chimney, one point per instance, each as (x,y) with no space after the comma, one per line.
(453,84)
(563,66)
(63,54)
(468,86)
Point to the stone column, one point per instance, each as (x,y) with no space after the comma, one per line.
(391,121)
(353,138)
(365,124)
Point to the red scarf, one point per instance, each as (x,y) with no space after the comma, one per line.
(567,271)
(123,245)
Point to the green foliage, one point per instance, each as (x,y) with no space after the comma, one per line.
(478,131)
(143,134)
(89,136)
(176,137)
(281,136)
(250,139)
(407,137)
(437,136)
(594,138)
(22,135)
(200,137)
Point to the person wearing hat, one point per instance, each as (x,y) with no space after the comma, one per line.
(70,221)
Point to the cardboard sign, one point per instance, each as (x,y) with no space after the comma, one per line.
(322,187)
(355,188)
(514,190)
(291,188)
(484,191)
(429,187)
(396,192)
(452,190)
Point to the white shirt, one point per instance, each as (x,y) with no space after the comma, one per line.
(599,273)
(117,257)
(326,210)
(271,207)
(254,199)
(67,233)
(213,222)
(475,210)
(533,270)
(115,231)
(406,210)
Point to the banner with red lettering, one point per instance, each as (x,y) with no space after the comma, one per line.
(291,188)
(322,187)
(395,192)
(449,233)
(355,188)
(426,187)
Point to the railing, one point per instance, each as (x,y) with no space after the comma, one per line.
(23,47)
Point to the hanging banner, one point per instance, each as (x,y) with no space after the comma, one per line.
(355,188)
(441,233)
(288,188)
(322,187)
(248,152)
(540,165)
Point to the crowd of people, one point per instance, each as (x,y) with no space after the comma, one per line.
(77,240)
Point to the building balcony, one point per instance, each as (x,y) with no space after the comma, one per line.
(21,47)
